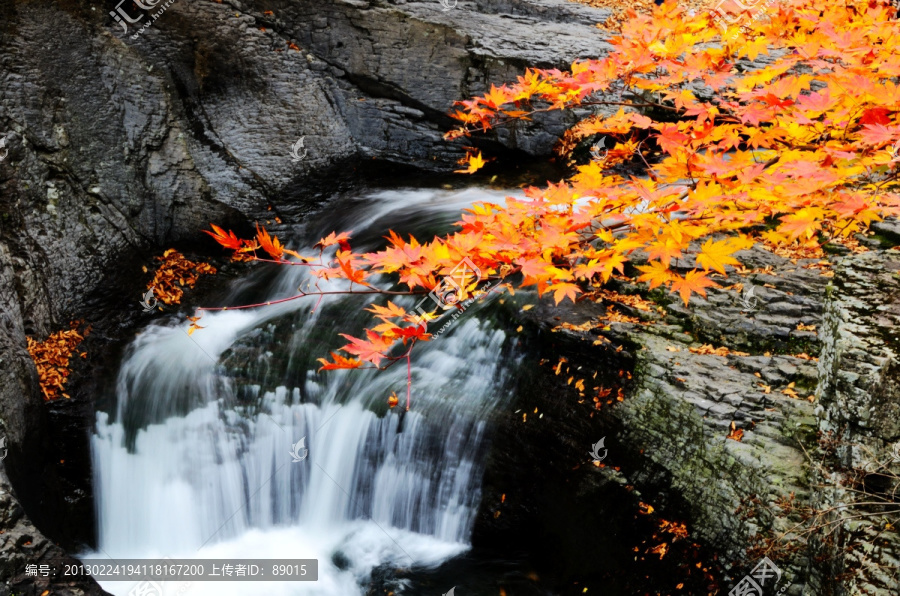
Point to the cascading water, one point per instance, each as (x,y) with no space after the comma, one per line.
(196,461)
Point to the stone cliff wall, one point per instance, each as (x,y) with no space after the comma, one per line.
(753,497)
(859,410)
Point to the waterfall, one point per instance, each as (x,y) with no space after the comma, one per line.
(196,460)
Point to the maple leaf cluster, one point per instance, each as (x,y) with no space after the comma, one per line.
(174,274)
(791,153)
(805,145)
(51,358)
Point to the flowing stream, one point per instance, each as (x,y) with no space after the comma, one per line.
(195,460)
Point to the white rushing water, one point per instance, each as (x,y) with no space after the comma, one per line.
(187,468)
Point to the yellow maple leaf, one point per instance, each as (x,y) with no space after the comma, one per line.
(656,273)
(476,162)
(716,254)
(565,290)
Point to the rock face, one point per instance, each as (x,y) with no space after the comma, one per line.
(859,393)
(128,138)
(762,495)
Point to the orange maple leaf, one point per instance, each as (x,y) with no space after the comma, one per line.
(339,362)
(565,290)
(392,311)
(270,244)
(354,275)
(227,239)
(693,282)
(806,222)
(332,239)
(371,350)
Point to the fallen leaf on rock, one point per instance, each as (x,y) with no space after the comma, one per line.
(736,434)
(174,274)
(51,358)
(720,351)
